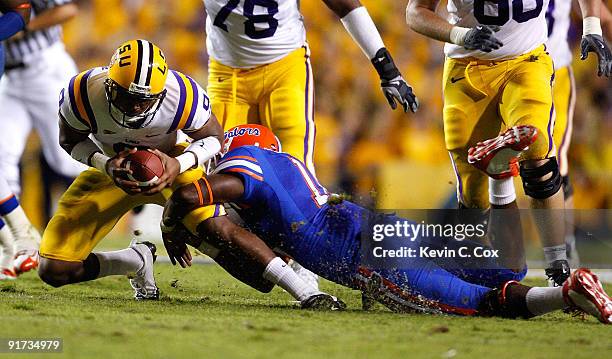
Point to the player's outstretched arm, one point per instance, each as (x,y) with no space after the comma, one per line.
(359,24)
(592,37)
(421,17)
(56,15)
(14,18)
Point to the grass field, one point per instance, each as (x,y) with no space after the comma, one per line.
(204,313)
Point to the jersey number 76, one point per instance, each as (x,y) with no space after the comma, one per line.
(249,26)
(503,11)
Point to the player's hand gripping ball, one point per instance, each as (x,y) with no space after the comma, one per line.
(144,167)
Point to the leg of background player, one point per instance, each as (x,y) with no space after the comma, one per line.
(505,230)
(564,97)
(25,235)
(7,252)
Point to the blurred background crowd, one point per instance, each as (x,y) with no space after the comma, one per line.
(381,158)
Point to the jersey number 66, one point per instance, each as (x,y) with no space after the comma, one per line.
(503,11)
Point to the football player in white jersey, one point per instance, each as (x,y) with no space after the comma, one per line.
(564,97)
(36,68)
(105,113)
(498,75)
(260,72)
(16,232)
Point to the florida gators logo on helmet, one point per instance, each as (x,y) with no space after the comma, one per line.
(250,135)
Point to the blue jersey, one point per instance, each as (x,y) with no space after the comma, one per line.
(285,205)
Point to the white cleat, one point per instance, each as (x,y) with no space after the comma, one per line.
(307,276)
(25,261)
(323,301)
(583,292)
(498,157)
(143,281)
(7,274)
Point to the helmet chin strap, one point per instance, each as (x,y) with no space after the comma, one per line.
(142,119)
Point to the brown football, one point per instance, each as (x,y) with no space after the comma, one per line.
(146,167)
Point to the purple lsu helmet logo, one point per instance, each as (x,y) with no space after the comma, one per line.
(235,132)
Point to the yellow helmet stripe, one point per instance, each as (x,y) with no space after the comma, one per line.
(188,102)
(76,90)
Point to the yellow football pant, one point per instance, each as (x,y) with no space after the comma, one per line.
(279,96)
(93,205)
(564,98)
(482,98)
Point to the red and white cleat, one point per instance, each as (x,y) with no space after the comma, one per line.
(7,274)
(583,291)
(25,261)
(498,157)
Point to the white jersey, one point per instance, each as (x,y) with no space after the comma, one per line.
(84,107)
(522,25)
(558,17)
(245,33)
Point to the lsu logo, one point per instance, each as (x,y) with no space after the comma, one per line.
(238,132)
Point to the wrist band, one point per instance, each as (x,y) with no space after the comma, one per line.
(99,160)
(457,35)
(591,26)
(187,160)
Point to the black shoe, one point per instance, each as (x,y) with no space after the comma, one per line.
(558,272)
(323,301)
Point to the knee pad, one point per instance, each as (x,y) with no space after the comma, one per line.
(537,187)
(568,189)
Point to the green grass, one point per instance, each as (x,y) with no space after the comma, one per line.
(204,313)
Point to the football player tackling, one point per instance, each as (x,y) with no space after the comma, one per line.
(498,75)
(282,203)
(105,113)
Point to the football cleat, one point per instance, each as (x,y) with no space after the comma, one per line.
(557,273)
(143,281)
(25,261)
(7,274)
(322,301)
(498,157)
(583,292)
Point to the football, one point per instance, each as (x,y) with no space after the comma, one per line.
(146,167)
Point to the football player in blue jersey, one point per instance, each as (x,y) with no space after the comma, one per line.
(284,207)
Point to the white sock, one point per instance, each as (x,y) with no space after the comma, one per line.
(124,262)
(7,246)
(279,272)
(26,236)
(541,300)
(554,253)
(501,192)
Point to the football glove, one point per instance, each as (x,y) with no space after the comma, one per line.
(394,87)
(596,43)
(482,38)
